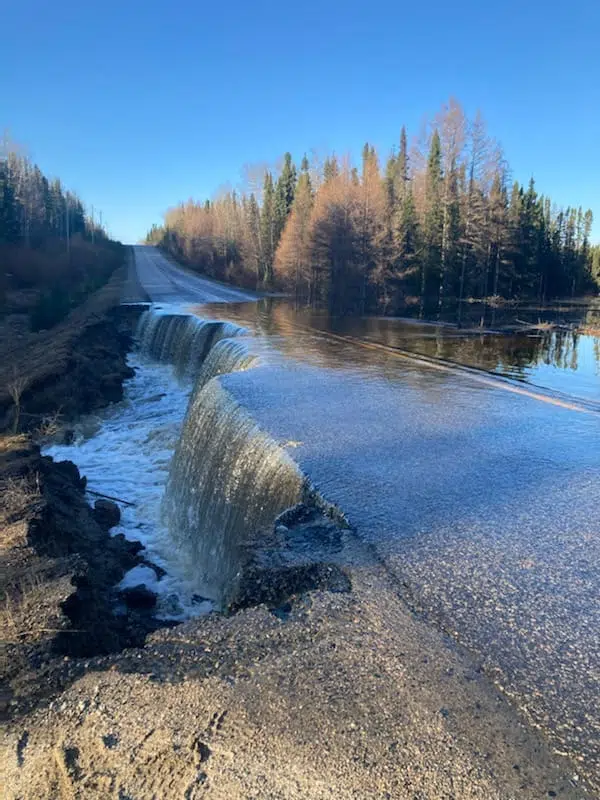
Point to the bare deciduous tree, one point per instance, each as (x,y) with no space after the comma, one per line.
(17,384)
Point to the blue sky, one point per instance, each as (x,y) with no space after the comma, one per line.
(138,105)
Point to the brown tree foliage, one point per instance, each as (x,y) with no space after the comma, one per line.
(437,223)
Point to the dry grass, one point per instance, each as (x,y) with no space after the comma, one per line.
(40,356)
(20,500)
(19,497)
(20,602)
(50,426)
(13,442)
(31,615)
(17,384)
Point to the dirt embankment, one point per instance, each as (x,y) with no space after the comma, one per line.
(50,377)
(58,567)
(332,699)
(58,562)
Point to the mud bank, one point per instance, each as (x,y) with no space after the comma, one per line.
(59,565)
(58,561)
(73,369)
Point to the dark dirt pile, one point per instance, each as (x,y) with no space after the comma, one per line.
(58,562)
(58,567)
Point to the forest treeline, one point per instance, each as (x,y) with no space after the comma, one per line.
(52,254)
(438,221)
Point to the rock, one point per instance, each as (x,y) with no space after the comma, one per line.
(133,547)
(106,513)
(139,597)
(276,586)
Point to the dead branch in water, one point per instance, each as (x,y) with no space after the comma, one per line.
(109,497)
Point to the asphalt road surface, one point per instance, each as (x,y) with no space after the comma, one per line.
(159,280)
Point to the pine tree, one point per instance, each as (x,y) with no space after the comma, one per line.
(267,230)
(401,171)
(9,226)
(433,222)
(450,231)
(330,169)
(595,264)
(498,208)
(252,236)
(405,264)
(390,182)
(284,196)
(371,227)
(334,244)
(473,212)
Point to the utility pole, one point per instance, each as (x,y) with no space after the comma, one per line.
(93,225)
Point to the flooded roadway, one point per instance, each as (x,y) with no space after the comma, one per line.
(481,501)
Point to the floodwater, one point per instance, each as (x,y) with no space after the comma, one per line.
(125,452)
(564,361)
(480,495)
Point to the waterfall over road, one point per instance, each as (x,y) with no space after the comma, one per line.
(227,484)
(182,339)
(482,502)
(228,481)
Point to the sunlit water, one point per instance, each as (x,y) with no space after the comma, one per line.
(481,501)
(564,361)
(125,452)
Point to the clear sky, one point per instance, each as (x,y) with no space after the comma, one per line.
(139,105)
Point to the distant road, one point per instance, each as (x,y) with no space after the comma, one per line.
(161,281)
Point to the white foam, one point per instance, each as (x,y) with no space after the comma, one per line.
(140,576)
(125,452)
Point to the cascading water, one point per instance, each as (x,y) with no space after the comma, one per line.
(181,339)
(228,355)
(227,483)
(226,480)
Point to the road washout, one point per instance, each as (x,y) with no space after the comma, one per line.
(415,715)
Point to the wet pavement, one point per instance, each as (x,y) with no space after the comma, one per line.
(481,501)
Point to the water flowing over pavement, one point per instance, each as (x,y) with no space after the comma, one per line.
(482,502)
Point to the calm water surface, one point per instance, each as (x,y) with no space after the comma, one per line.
(565,361)
(482,501)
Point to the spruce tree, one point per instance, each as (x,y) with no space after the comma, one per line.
(390,182)
(9,226)
(253,234)
(401,171)
(432,228)
(292,260)
(330,169)
(405,233)
(450,232)
(267,230)
(284,196)
(498,208)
